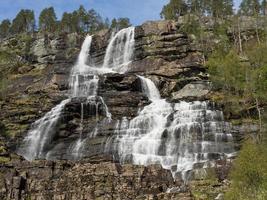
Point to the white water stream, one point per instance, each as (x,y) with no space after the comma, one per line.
(177,136)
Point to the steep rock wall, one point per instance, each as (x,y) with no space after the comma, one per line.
(162,53)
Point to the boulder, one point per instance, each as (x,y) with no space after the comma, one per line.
(192,91)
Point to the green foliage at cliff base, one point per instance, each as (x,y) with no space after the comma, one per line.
(249,173)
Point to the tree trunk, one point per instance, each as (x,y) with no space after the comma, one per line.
(239,37)
(260,119)
(257,31)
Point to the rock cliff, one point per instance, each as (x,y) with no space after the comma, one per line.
(170,58)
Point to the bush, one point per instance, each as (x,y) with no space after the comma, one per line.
(249,173)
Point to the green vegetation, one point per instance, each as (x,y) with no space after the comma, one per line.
(24,22)
(78,21)
(120,23)
(174,9)
(217,9)
(48,20)
(4,28)
(249,173)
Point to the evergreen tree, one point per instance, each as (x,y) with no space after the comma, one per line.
(83,18)
(196,7)
(120,23)
(249,7)
(96,22)
(75,22)
(23,22)
(114,23)
(264,7)
(218,9)
(4,28)
(48,20)
(94,19)
(174,9)
(107,23)
(123,23)
(65,23)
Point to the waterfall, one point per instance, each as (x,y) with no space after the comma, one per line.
(83,55)
(41,134)
(83,81)
(43,130)
(178,136)
(149,88)
(119,52)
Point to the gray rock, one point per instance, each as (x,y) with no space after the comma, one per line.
(196,90)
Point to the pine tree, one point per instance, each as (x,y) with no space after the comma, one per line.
(65,23)
(96,22)
(264,7)
(196,7)
(5,28)
(75,22)
(219,9)
(83,18)
(123,23)
(23,22)
(113,23)
(249,7)
(174,9)
(48,20)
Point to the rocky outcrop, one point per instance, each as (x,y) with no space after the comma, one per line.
(193,91)
(105,180)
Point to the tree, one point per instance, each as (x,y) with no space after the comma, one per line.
(196,7)
(48,20)
(114,23)
(23,22)
(96,22)
(223,8)
(4,28)
(249,7)
(264,7)
(121,23)
(174,9)
(65,23)
(83,19)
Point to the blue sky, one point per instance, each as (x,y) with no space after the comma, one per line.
(137,10)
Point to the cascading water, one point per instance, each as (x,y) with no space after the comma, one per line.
(41,134)
(177,136)
(83,82)
(43,130)
(119,52)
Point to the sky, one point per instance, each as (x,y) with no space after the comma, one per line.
(137,10)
